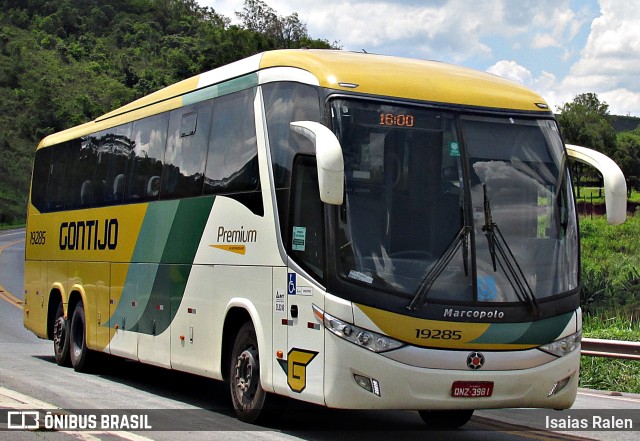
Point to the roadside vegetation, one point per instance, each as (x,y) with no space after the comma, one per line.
(606,373)
(66,62)
(610,298)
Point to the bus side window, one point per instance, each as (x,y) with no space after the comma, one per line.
(113,147)
(232,162)
(58,177)
(306,241)
(186,152)
(286,102)
(41,167)
(82,166)
(149,136)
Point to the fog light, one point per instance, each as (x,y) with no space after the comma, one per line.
(367,383)
(559,386)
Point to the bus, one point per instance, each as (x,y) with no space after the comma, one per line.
(352,230)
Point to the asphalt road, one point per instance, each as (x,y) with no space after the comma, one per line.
(194,408)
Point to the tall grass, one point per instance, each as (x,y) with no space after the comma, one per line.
(610,266)
(606,373)
(610,299)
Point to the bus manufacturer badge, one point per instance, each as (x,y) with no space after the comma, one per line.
(475,360)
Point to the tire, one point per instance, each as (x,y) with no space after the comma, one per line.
(445,419)
(78,351)
(251,402)
(61,337)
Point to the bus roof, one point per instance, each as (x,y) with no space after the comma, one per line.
(380,75)
(430,81)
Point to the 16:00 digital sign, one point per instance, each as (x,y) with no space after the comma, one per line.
(396,120)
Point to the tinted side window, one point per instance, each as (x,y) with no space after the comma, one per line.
(148,136)
(186,152)
(113,147)
(41,166)
(58,174)
(82,166)
(306,238)
(284,103)
(232,163)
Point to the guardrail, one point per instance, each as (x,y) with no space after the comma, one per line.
(595,347)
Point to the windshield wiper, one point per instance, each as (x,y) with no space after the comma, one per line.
(502,254)
(460,240)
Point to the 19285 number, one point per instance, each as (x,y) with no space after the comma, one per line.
(439,334)
(38,237)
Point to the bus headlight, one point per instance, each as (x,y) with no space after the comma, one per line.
(362,337)
(563,346)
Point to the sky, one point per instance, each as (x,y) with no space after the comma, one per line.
(559,48)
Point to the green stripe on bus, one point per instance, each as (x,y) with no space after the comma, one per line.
(166,296)
(186,230)
(529,333)
(168,240)
(235,85)
(154,233)
(502,333)
(545,331)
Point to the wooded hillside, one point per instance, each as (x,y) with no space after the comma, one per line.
(65,62)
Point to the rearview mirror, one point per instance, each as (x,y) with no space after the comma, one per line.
(328,158)
(615,187)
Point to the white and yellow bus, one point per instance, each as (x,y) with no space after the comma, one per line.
(353,230)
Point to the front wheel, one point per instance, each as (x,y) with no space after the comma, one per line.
(250,401)
(445,419)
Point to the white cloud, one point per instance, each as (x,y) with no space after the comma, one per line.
(451,30)
(546,84)
(529,41)
(609,64)
(512,71)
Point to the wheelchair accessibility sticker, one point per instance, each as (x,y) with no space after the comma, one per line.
(293,289)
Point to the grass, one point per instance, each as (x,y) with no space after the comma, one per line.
(611,297)
(607,373)
(596,195)
(612,328)
(11,227)
(610,266)
(591,194)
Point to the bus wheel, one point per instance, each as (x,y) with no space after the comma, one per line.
(249,398)
(61,337)
(78,351)
(445,419)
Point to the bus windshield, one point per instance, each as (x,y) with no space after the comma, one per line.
(445,208)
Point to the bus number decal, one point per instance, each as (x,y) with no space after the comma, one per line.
(438,334)
(38,237)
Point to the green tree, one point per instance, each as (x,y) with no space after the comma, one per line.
(584,122)
(627,156)
(65,62)
(281,32)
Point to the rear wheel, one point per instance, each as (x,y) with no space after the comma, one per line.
(445,419)
(78,351)
(250,401)
(61,337)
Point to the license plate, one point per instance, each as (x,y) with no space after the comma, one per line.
(472,389)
